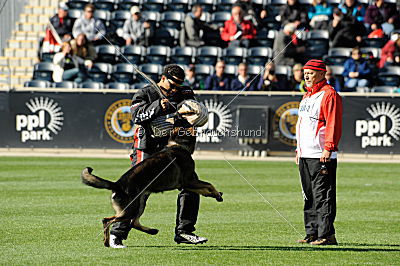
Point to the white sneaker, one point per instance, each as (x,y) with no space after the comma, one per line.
(116,242)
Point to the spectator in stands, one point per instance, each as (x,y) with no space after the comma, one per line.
(62,23)
(381,14)
(344,31)
(356,70)
(270,81)
(390,54)
(332,80)
(238,31)
(94,29)
(243,80)
(83,49)
(294,12)
(287,48)
(218,81)
(319,14)
(191,80)
(136,30)
(190,32)
(68,66)
(252,12)
(296,82)
(353,11)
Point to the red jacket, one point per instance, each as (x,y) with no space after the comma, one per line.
(230,29)
(387,52)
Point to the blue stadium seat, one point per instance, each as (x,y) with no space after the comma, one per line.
(123,73)
(100,72)
(282,71)
(166,36)
(153,17)
(389,76)
(317,44)
(172,19)
(118,18)
(231,71)
(203,71)
(127,4)
(207,5)
(384,89)
(77,4)
(118,86)
(66,85)
(107,54)
(337,56)
(102,15)
(259,55)
(75,13)
(92,85)
(234,55)
(220,17)
(152,70)
(178,5)
(38,84)
(108,5)
(225,5)
(158,54)
(153,5)
(43,71)
(183,55)
(265,38)
(253,70)
(132,54)
(208,55)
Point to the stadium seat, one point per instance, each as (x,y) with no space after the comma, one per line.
(337,56)
(389,76)
(275,6)
(317,43)
(139,85)
(282,71)
(334,3)
(66,85)
(253,70)
(118,86)
(183,55)
(118,18)
(46,57)
(205,16)
(207,5)
(92,85)
(77,4)
(152,70)
(102,15)
(166,36)
(99,72)
(374,42)
(225,5)
(220,17)
(259,55)
(178,5)
(43,71)
(38,84)
(306,3)
(123,73)
(153,5)
(371,52)
(153,17)
(172,19)
(107,54)
(127,4)
(203,71)
(75,13)
(234,55)
(158,54)
(108,5)
(231,71)
(385,89)
(132,54)
(208,55)
(265,38)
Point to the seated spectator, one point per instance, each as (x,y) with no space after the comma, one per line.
(344,31)
(238,31)
(376,32)
(68,66)
(136,30)
(332,80)
(218,81)
(319,14)
(62,23)
(252,12)
(296,82)
(381,14)
(353,11)
(287,48)
(83,49)
(190,32)
(295,13)
(94,29)
(243,81)
(191,80)
(270,81)
(356,70)
(390,54)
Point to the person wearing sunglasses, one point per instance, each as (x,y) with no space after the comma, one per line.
(93,28)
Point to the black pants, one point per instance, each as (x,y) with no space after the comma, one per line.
(187,205)
(319,192)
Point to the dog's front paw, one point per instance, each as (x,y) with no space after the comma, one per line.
(219,197)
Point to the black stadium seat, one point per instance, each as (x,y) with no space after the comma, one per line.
(43,71)
(317,44)
(107,54)
(108,5)
(266,38)
(77,4)
(118,86)
(124,73)
(208,55)
(203,71)
(225,5)
(127,4)
(38,84)
(158,54)
(102,15)
(207,5)
(100,72)
(118,18)
(389,76)
(253,70)
(384,89)
(153,5)
(92,85)
(166,36)
(75,13)
(282,71)
(172,19)
(178,5)
(183,55)
(234,55)
(259,55)
(152,70)
(153,17)
(132,54)
(66,84)
(231,71)
(337,56)
(220,17)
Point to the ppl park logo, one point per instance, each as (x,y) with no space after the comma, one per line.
(46,119)
(383,129)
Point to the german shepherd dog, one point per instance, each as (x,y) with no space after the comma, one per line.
(171,168)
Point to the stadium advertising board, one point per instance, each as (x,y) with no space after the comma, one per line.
(246,122)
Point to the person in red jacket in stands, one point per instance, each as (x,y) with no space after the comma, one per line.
(238,31)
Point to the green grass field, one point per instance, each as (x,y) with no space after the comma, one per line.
(49,217)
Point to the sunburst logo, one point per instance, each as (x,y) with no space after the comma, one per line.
(46,118)
(219,122)
(382,129)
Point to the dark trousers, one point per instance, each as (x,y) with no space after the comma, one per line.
(319,192)
(187,205)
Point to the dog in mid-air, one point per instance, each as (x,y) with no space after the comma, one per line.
(171,168)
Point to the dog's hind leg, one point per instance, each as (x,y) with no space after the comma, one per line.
(107,222)
(135,222)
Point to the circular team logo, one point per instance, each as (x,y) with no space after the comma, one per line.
(118,121)
(284,123)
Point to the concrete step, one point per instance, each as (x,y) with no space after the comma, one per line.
(19,52)
(33,18)
(41,10)
(16,70)
(27,44)
(22,61)
(27,35)
(28,26)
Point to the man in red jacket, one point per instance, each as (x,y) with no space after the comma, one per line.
(238,31)
(318,131)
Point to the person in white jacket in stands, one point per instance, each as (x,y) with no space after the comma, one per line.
(93,28)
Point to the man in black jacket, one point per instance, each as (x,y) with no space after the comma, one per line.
(62,23)
(148,105)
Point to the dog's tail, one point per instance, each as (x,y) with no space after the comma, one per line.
(97,182)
